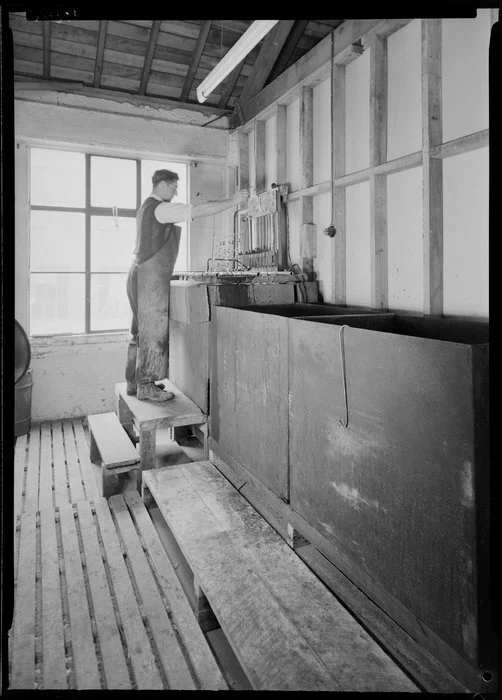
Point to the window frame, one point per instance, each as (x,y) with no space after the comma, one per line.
(89,211)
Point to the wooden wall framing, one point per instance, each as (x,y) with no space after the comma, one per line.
(328,61)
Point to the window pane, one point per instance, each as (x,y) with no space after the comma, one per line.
(109,304)
(57,241)
(148,167)
(113,182)
(181,264)
(57,178)
(57,304)
(112,243)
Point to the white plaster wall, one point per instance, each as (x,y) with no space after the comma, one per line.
(325,246)
(465,74)
(357,228)
(322,131)
(270,151)
(207,182)
(76,379)
(465,234)
(294,230)
(404,112)
(404,240)
(357,113)
(293,172)
(252,158)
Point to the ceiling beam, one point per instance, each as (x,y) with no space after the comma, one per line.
(24,84)
(154,34)
(47,49)
(230,84)
(270,50)
(288,48)
(103,26)
(194,63)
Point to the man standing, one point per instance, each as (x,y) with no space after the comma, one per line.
(157,245)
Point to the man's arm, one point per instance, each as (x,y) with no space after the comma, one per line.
(175,212)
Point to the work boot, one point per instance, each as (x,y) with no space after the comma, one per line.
(149,391)
(132,389)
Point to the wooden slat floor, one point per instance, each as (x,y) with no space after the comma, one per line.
(98,604)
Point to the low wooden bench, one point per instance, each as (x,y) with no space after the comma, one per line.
(287,630)
(110,444)
(146,417)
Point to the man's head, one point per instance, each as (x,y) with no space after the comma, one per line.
(165,184)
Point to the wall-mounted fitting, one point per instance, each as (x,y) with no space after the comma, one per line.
(330,231)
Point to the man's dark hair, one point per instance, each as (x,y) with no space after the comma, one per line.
(164,175)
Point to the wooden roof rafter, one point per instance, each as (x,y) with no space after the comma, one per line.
(47,50)
(100,52)
(194,64)
(287,50)
(230,84)
(154,34)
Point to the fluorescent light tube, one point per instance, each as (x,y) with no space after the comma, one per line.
(234,56)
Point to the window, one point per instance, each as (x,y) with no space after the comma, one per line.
(82,236)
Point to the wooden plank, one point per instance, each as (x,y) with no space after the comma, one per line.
(346,653)
(432,130)
(139,651)
(204,663)
(312,191)
(45,485)
(47,50)
(269,52)
(82,643)
(307,138)
(112,441)
(20,458)
(281,144)
(290,45)
(378,183)
(348,54)
(338,166)
(33,472)
(464,144)
(73,465)
(260,155)
(178,411)
(100,51)
(174,665)
(88,469)
(24,629)
(61,495)
(194,63)
(112,653)
(53,648)
(152,42)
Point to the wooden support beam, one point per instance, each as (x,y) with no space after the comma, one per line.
(281,153)
(432,134)
(412,160)
(259,158)
(289,46)
(243,140)
(269,52)
(103,25)
(47,50)
(313,191)
(348,54)
(378,183)
(338,164)
(230,84)
(464,144)
(194,63)
(152,43)
(308,230)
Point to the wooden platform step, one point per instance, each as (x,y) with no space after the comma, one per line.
(111,446)
(147,414)
(52,466)
(287,630)
(98,604)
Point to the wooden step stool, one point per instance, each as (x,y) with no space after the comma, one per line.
(111,445)
(147,416)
